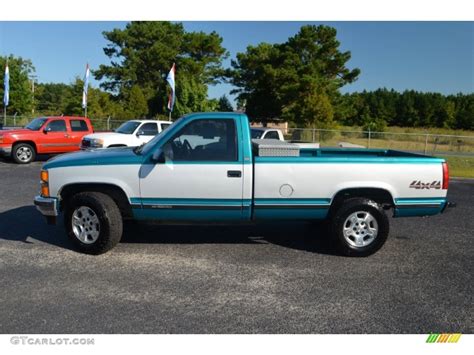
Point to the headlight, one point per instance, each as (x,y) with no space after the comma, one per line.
(44,183)
(97,143)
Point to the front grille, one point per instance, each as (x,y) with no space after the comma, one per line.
(86,143)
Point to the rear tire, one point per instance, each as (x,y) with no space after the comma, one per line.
(23,153)
(93,222)
(359,227)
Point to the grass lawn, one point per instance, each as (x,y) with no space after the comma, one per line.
(460,166)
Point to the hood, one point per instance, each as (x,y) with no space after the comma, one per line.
(105,135)
(13,132)
(110,156)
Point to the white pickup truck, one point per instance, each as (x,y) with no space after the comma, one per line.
(206,168)
(129,134)
(275,133)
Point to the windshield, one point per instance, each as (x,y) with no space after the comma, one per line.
(146,147)
(36,124)
(256,133)
(128,127)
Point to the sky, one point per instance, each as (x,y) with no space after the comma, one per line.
(424,56)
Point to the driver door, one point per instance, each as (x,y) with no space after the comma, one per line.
(54,137)
(201,178)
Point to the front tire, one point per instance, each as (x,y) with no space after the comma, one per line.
(359,227)
(93,222)
(23,153)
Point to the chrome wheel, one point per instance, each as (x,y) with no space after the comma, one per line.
(24,154)
(85,225)
(360,229)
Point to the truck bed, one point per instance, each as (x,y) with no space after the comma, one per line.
(350,154)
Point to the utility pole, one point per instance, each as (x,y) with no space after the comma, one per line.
(33,79)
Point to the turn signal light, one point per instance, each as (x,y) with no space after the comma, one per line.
(44,175)
(45,190)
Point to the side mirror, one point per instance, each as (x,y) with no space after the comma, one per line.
(46,130)
(140,133)
(158,157)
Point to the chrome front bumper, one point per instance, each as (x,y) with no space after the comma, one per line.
(47,206)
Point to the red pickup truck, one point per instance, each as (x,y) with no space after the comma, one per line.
(44,135)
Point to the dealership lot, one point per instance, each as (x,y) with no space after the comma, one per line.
(267,278)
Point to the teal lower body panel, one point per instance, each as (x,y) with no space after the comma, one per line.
(418,207)
(290,208)
(290,213)
(174,209)
(187,215)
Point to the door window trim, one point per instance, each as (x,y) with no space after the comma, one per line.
(238,132)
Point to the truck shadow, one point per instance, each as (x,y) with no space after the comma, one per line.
(295,235)
(24,224)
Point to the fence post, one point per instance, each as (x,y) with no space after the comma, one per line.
(426,144)
(314,133)
(108,123)
(368,140)
(14,119)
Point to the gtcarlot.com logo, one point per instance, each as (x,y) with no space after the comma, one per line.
(443,338)
(30,340)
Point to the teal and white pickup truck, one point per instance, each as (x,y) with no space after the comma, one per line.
(206,168)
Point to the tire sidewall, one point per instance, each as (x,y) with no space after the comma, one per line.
(20,145)
(102,243)
(345,211)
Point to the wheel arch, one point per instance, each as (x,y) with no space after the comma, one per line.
(380,195)
(25,141)
(115,192)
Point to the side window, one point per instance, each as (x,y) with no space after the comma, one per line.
(149,129)
(272,135)
(78,126)
(204,140)
(56,126)
(165,126)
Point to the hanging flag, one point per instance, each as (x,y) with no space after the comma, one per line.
(86,86)
(6,85)
(170,80)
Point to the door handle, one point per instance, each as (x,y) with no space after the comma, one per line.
(234,173)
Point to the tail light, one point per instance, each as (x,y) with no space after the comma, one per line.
(445,176)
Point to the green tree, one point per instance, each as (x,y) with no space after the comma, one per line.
(224,104)
(142,53)
(284,80)
(21,96)
(136,105)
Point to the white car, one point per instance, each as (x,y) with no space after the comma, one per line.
(129,134)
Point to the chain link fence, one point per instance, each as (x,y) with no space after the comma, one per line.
(100,123)
(426,143)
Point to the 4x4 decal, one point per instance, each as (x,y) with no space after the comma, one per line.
(417,184)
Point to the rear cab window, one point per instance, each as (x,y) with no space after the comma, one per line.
(78,125)
(149,129)
(165,126)
(272,135)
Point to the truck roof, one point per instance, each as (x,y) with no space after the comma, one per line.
(142,121)
(65,117)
